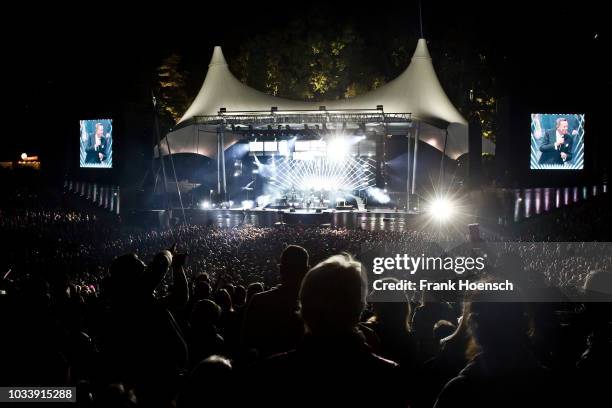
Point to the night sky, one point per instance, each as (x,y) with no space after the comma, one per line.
(62,65)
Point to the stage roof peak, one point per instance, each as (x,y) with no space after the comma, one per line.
(421,50)
(217,57)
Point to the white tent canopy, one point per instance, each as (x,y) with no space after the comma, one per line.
(416,91)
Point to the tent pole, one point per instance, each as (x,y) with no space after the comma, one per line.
(218,163)
(154,135)
(443,157)
(161,157)
(409,137)
(156,178)
(178,190)
(223,175)
(416,154)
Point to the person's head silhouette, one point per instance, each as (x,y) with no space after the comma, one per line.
(293,265)
(333,296)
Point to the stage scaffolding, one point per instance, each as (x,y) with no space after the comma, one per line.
(300,117)
(372,121)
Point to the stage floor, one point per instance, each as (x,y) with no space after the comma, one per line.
(375,219)
(372,219)
(324,210)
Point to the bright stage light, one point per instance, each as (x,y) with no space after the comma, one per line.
(247,204)
(205,205)
(263,200)
(441,209)
(283,148)
(337,149)
(256,146)
(379,195)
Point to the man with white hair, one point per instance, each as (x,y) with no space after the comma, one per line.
(333,366)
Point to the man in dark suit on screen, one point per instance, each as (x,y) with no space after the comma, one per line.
(97,146)
(557,145)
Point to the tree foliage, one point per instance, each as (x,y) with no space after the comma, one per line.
(170,89)
(308,64)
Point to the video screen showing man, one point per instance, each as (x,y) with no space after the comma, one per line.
(557,142)
(96,143)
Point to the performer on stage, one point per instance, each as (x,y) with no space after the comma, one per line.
(97,146)
(557,144)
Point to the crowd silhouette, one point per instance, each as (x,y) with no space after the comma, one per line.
(201,316)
